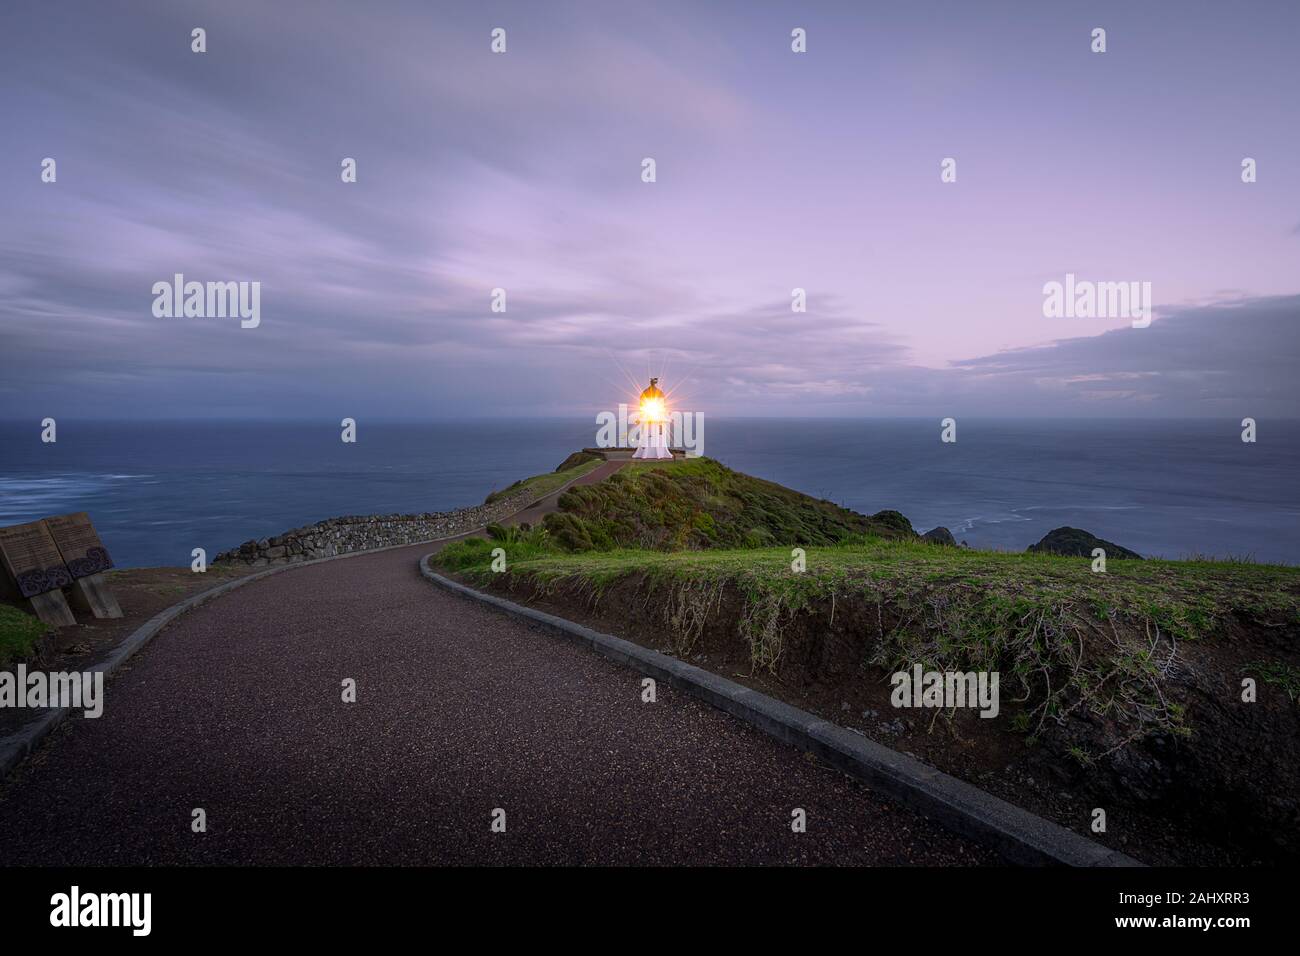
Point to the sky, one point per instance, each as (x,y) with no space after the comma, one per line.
(522,170)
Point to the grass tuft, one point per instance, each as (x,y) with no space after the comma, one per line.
(19,633)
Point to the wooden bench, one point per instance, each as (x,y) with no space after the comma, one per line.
(41,558)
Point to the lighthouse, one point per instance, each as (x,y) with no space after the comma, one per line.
(653,422)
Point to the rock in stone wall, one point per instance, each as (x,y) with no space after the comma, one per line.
(367,532)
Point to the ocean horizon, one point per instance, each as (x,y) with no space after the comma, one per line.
(1170,488)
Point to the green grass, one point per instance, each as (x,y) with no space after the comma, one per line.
(1062,637)
(19,633)
(539,486)
(1281,675)
(474,554)
(1186,598)
(699,504)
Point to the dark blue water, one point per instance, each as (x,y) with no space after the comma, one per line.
(156,491)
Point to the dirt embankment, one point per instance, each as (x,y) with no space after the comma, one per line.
(1226,792)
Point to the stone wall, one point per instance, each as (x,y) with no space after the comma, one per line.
(367,532)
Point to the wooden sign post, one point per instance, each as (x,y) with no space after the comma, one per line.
(32,560)
(87,560)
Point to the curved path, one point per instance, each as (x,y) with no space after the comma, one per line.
(236,708)
(539,509)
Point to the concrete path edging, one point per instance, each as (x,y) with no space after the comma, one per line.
(1020,836)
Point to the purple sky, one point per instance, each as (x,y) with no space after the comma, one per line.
(775,170)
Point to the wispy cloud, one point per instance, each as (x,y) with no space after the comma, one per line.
(522,172)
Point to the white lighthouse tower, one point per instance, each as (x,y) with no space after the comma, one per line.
(653,422)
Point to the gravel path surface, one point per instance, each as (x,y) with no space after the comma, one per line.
(237,708)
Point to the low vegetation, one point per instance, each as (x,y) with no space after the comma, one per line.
(1063,638)
(539,486)
(698,504)
(19,633)
(578,458)
(1285,677)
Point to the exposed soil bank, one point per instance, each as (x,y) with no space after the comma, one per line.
(1224,794)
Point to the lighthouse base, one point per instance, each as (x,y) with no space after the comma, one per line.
(654,444)
(652,453)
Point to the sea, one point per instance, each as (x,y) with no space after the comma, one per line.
(1168,488)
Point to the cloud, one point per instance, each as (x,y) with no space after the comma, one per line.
(1228,358)
(522,172)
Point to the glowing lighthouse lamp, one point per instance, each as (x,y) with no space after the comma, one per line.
(653,422)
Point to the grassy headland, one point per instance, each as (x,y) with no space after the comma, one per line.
(696,504)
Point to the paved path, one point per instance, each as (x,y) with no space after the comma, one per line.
(535,512)
(236,708)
